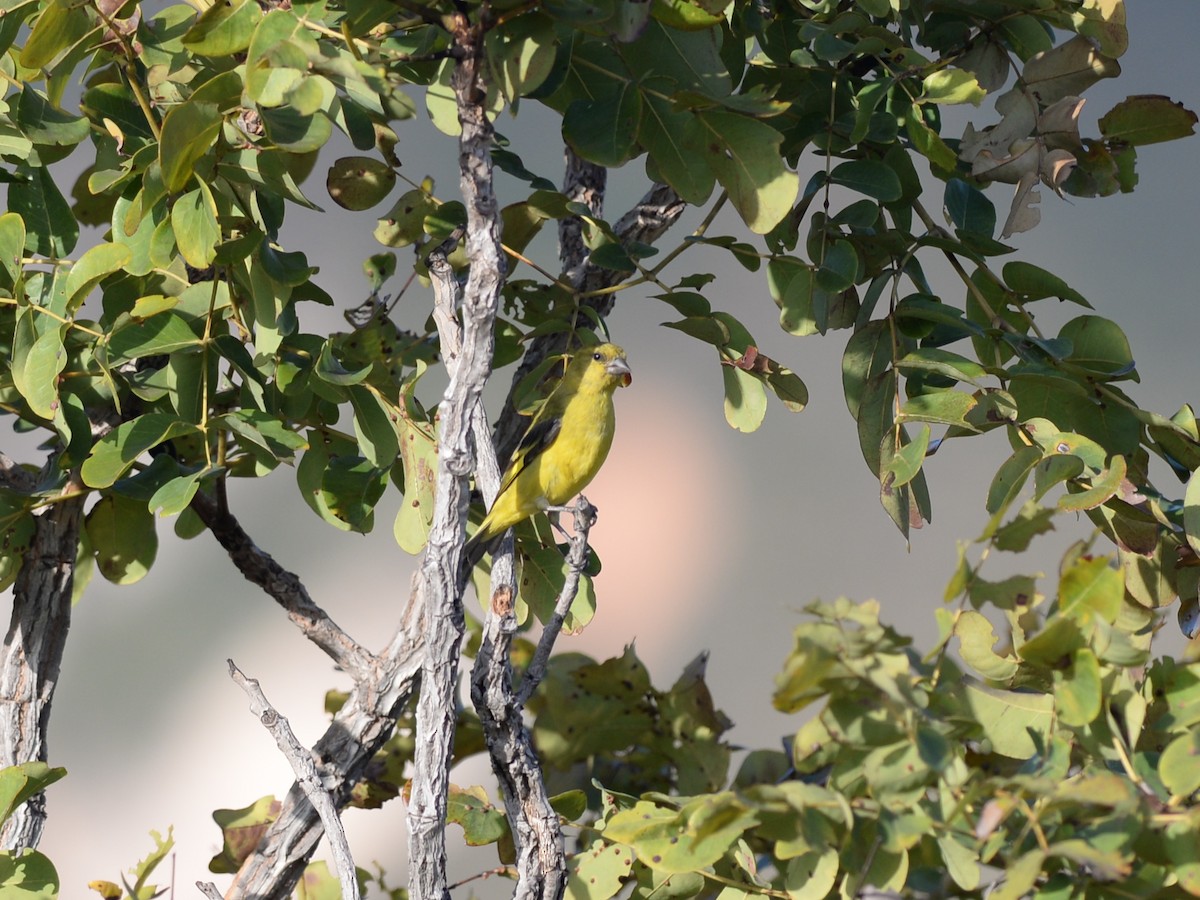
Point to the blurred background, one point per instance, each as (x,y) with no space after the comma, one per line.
(711,539)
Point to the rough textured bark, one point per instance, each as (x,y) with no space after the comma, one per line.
(439,573)
(537,835)
(32,654)
(358,730)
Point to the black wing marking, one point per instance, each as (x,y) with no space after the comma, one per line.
(541,434)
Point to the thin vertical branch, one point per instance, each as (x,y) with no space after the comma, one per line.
(438,580)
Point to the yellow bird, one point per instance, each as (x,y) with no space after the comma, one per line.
(563,448)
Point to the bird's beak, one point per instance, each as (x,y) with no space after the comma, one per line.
(618,368)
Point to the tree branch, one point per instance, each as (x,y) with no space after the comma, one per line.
(307,777)
(583,182)
(438,577)
(358,730)
(541,858)
(260,568)
(33,649)
(577,559)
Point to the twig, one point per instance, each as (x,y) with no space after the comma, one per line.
(484,875)
(209,890)
(286,588)
(307,777)
(577,559)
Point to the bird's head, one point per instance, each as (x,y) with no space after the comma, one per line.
(604,366)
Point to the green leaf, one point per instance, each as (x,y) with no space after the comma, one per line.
(1035,283)
(240,832)
(262,430)
(1091,587)
(173,497)
(969,208)
(943,362)
(868,176)
(46,124)
(93,267)
(1104,487)
(839,267)
(223,29)
(114,454)
(811,875)
(482,823)
(188,132)
(929,144)
(744,155)
(1191,512)
(745,399)
(350,488)
(1147,119)
(27,875)
(907,461)
(961,862)
(1078,692)
(50,226)
(194,221)
(123,537)
(1010,478)
(542,580)
(418,449)
(1006,718)
(374,427)
(404,223)
(673,141)
(162,333)
(359,182)
(976,641)
(61,24)
(37,361)
(598,872)
(19,783)
(704,328)
(1098,344)
(12,245)
(947,407)
(296,132)
(604,130)
(788,387)
(952,86)
(1179,765)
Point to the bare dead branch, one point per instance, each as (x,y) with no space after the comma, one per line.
(32,654)
(358,730)
(307,777)
(438,577)
(209,890)
(286,588)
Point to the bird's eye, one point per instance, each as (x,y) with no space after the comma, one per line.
(597,357)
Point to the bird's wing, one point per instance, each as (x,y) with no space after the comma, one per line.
(539,436)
